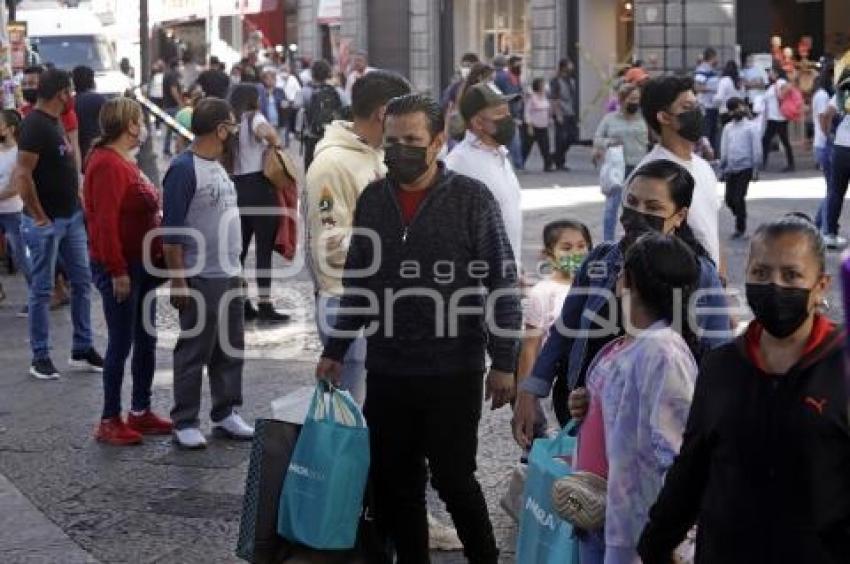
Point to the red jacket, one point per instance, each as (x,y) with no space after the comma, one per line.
(121,206)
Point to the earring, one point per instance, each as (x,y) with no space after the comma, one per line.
(824,304)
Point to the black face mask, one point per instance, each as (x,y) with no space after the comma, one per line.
(406,164)
(505,131)
(632,108)
(636,223)
(691,125)
(30,95)
(779,309)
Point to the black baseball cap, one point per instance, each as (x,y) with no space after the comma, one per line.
(483,96)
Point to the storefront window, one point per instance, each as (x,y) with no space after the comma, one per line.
(491,27)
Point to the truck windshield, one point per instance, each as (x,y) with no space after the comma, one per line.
(68,51)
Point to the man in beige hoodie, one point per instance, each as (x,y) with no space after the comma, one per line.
(349,156)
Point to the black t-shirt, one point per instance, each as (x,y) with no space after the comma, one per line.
(55,174)
(215,83)
(88,105)
(170,79)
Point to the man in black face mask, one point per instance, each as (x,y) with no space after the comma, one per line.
(670,108)
(441,250)
(483,154)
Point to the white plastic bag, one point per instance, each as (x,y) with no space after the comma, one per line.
(613,171)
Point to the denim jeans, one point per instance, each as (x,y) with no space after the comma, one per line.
(125,326)
(823,157)
(612,208)
(515,149)
(838,187)
(166,139)
(591,546)
(354,363)
(65,237)
(10,223)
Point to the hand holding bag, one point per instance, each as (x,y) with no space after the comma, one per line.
(322,497)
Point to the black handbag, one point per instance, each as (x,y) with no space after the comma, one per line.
(272,447)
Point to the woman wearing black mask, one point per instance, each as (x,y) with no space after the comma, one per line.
(657,199)
(763,470)
(628,129)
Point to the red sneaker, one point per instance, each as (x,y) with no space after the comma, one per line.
(114,431)
(149,423)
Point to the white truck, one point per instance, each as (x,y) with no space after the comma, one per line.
(68,37)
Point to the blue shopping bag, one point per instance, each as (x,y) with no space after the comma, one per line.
(322,496)
(545,538)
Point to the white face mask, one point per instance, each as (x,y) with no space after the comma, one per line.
(464,72)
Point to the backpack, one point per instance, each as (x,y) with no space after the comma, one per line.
(791,105)
(324,107)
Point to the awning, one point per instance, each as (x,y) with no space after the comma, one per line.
(330,12)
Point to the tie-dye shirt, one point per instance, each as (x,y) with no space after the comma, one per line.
(645,404)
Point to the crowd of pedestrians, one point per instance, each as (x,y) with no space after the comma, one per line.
(415,248)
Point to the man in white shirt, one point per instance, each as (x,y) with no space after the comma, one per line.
(670,108)
(359,67)
(483,155)
(706,82)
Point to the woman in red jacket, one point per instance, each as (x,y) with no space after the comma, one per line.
(121,208)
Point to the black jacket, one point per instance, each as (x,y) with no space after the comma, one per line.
(764,468)
(454,250)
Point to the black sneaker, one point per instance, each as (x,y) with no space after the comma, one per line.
(87,360)
(43,369)
(268,314)
(250,311)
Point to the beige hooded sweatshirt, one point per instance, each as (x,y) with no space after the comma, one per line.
(343,166)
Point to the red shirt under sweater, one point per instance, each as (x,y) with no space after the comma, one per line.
(409,202)
(121,206)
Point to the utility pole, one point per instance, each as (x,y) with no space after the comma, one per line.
(144,43)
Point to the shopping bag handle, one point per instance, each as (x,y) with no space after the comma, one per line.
(329,412)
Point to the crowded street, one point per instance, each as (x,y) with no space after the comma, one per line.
(415,281)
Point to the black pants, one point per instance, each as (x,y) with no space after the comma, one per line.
(711,128)
(255,191)
(773,129)
(838,187)
(309,144)
(737,184)
(435,419)
(566,133)
(541,137)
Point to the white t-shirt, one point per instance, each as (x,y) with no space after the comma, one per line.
(726,90)
(544,305)
(155,88)
(703,215)
(707,77)
(7,163)
(251,147)
(774,113)
(842,134)
(492,167)
(820,102)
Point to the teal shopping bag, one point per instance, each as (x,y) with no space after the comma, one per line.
(322,496)
(545,538)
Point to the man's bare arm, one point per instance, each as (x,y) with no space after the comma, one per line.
(23,184)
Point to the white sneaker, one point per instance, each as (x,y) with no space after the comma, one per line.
(190,438)
(234,427)
(835,241)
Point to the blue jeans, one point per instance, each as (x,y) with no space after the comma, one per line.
(515,149)
(591,546)
(65,237)
(838,187)
(612,208)
(166,139)
(125,326)
(354,363)
(823,158)
(10,223)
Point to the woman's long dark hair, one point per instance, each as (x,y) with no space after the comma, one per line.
(244,98)
(659,267)
(731,70)
(681,185)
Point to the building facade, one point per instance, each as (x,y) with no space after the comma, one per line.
(425,39)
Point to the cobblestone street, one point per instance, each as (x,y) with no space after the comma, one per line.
(66,498)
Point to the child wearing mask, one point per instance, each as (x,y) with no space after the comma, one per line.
(741,155)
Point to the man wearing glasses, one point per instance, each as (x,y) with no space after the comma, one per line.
(202,244)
